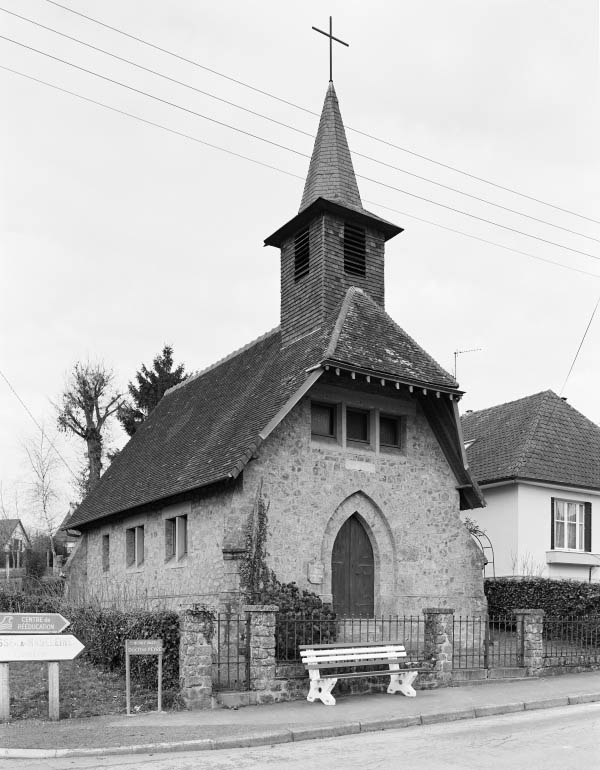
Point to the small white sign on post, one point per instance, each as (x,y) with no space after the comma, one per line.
(34,637)
(142,647)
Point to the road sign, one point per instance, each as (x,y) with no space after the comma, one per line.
(143,646)
(32,623)
(39,647)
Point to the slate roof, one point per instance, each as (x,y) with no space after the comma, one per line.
(331,174)
(539,437)
(206,429)
(370,339)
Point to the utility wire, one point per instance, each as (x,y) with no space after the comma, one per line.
(295,128)
(587,328)
(43,432)
(283,171)
(312,112)
(152,123)
(485,240)
(296,152)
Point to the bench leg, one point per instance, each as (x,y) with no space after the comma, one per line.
(321,688)
(401,681)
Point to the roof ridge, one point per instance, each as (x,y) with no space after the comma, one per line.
(340,320)
(223,360)
(528,440)
(475,412)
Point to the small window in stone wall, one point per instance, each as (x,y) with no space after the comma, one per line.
(357,425)
(323,420)
(105,553)
(390,433)
(175,538)
(134,546)
(355,250)
(302,254)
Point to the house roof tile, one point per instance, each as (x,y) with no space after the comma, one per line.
(539,437)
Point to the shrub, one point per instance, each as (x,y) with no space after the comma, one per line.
(555,597)
(104,631)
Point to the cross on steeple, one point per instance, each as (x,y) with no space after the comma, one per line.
(331,39)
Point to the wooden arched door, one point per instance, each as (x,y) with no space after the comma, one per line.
(352,570)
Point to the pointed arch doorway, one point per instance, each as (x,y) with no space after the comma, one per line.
(352,570)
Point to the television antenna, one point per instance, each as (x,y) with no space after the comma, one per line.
(458,353)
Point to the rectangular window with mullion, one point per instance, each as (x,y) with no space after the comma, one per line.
(571,525)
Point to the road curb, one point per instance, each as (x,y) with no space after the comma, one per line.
(308,733)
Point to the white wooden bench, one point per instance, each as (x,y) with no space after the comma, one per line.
(370,656)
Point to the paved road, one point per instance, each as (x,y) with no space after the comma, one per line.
(552,739)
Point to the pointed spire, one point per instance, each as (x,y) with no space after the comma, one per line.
(331,174)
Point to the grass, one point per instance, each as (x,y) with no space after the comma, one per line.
(85,691)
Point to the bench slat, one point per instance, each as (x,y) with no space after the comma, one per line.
(397,649)
(349,645)
(358,656)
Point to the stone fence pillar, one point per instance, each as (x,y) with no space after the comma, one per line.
(196,629)
(439,640)
(530,642)
(262,647)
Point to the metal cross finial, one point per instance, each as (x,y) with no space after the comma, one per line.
(331,39)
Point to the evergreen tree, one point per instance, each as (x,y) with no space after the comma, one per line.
(150,388)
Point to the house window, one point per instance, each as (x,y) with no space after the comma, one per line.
(301,254)
(357,425)
(323,420)
(355,250)
(134,546)
(175,538)
(389,431)
(105,553)
(571,525)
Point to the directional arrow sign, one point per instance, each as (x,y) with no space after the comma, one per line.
(32,623)
(39,647)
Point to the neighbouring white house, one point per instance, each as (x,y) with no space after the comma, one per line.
(537,461)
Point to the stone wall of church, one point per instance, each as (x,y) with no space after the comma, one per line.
(406,499)
(198,577)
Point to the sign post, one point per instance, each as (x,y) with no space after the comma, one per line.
(34,637)
(142,647)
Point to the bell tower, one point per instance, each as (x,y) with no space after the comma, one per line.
(333,243)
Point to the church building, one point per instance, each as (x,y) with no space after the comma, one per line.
(348,428)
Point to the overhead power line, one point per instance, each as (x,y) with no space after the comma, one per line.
(587,328)
(43,432)
(283,171)
(312,112)
(296,152)
(294,128)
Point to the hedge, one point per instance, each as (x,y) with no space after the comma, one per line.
(104,631)
(555,597)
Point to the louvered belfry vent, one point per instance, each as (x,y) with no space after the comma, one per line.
(354,250)
(301,254)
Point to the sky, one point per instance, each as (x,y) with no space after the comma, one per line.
(117,237)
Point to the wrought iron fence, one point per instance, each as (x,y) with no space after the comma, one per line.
(294,630)
(571,641)
(487,642)
(231,652)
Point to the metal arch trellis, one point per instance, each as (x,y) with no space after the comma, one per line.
(485,544)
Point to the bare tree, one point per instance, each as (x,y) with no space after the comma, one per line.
(6,510)
(87,403)
(43,464)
